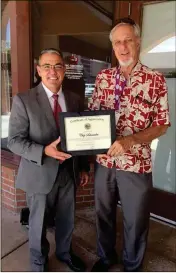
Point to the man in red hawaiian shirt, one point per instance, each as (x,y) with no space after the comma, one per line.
(139,97)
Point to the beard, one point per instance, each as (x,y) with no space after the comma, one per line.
(127,63)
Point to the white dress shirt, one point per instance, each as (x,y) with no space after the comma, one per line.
(61,98)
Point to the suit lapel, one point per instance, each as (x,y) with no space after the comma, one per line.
(45,105)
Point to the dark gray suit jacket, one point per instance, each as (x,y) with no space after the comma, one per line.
(31,128)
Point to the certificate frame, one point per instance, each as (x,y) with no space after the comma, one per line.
(64,117)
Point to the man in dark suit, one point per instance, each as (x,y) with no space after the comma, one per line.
(46,173)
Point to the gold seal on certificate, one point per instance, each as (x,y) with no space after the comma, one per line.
(86,133)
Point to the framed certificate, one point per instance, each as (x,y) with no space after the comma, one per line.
(87,133)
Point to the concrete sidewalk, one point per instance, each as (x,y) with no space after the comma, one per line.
(160,255)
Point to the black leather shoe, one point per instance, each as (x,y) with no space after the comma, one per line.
(74,263)
(101,266)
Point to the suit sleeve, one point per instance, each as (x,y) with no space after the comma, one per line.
(19,141)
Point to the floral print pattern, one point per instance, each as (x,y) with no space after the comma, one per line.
(143,103)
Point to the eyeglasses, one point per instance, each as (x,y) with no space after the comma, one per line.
(56,67)
(126,20)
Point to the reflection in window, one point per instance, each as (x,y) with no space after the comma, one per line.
(6,71)
(168,45)
(6,81)
(81,73)
(161,56)
(83,39)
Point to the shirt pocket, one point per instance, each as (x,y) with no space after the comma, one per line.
(107,99)
(140,116)
(107,104)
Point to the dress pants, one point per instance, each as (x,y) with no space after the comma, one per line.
(61,203)
(134,190)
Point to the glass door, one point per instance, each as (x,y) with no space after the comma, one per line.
(158,51)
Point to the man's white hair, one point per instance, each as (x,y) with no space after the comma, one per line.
(135,27)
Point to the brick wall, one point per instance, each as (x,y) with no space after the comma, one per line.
(85,195)
(11,198)
(15,199)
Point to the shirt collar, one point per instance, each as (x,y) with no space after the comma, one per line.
(136,68)
(49,93)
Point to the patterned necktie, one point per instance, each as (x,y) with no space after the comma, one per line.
(57,109)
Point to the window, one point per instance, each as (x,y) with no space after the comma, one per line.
(6,81)
(158,51)
(169,45)
(84,39)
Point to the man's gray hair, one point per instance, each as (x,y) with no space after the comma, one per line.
(126,21)
(51,50)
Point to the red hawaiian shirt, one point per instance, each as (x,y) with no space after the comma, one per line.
(143,103)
